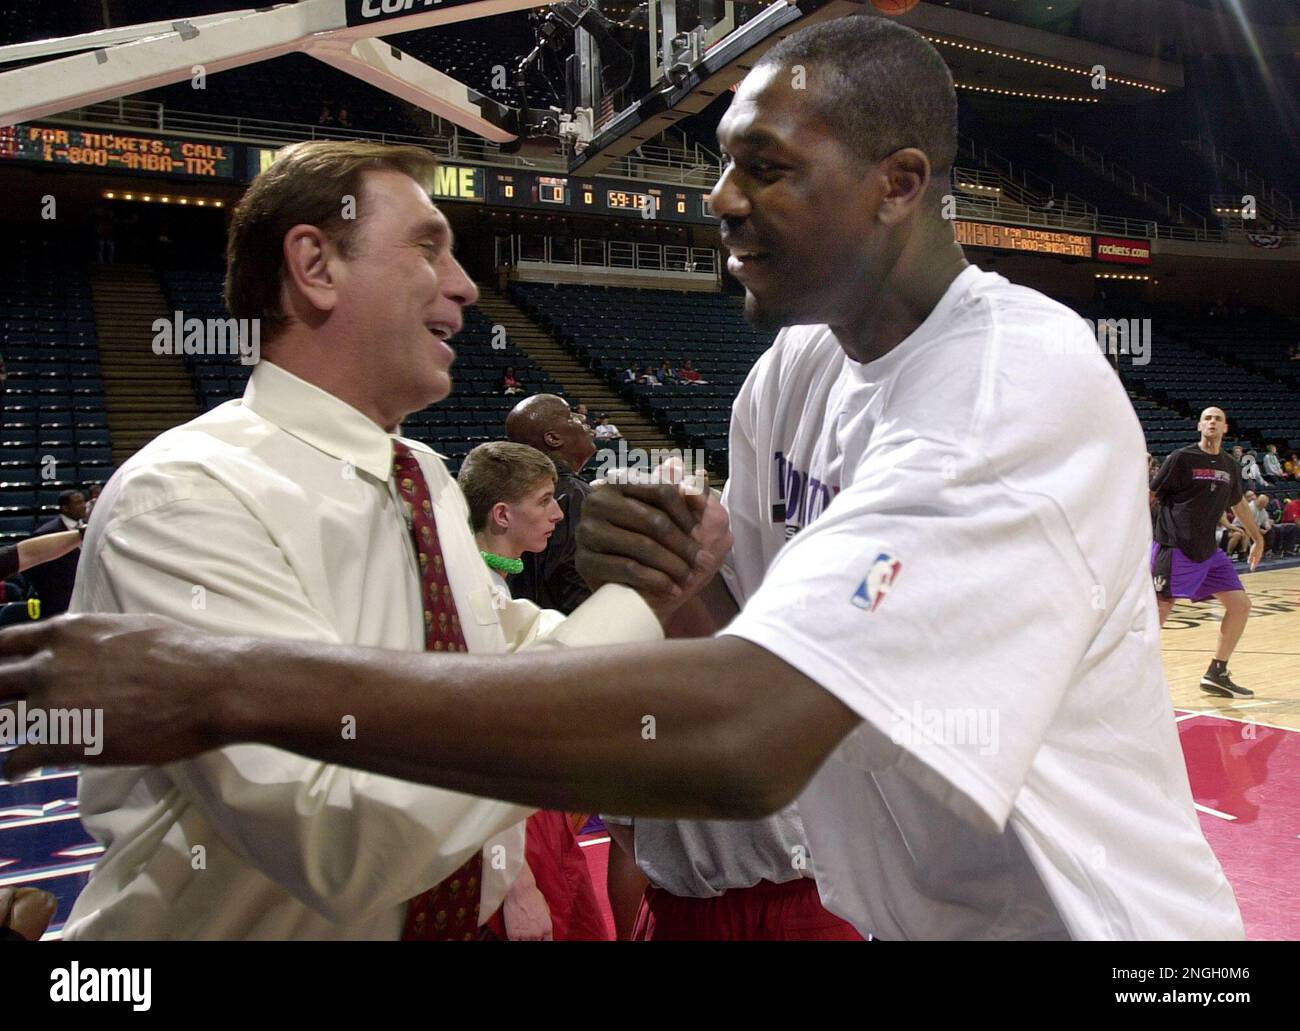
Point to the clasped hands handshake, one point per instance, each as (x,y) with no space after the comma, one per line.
(662,534)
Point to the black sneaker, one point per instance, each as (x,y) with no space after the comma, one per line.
(1221,684)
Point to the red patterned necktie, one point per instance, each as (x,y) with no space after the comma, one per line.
(449,910)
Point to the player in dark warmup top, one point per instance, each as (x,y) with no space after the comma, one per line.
(1193,488)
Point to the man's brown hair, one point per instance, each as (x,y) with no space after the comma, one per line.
(500,471)
(305,185)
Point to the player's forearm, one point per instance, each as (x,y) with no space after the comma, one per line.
(708,729)
(47,548)
(705,614)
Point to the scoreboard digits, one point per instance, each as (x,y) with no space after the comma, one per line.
(552,189)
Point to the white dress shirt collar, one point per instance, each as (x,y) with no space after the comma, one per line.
(318,418)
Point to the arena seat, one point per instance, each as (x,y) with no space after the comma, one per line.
(53,432)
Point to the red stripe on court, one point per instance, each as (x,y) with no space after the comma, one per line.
(1250,772)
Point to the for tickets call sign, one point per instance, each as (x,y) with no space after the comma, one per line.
(117,151)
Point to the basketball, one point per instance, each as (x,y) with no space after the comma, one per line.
(893,7)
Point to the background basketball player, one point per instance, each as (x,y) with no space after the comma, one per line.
(1193,489)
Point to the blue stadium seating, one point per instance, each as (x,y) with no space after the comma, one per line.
(53,427)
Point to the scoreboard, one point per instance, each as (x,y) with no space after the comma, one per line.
(156,154)
(522,189)
(111,151)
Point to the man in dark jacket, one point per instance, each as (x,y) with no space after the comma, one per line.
(544,421)
(53,580)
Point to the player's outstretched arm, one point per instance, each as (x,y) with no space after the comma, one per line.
(711,729)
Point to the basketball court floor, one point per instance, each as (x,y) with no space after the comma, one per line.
(1243,759)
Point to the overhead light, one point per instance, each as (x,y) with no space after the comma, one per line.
(1058,97)
(1007,55)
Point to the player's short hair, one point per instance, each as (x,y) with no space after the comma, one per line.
(305,185)
(500,471)
(883,87)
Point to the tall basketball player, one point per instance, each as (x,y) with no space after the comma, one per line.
(1194,487)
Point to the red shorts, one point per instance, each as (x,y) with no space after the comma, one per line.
(563,878)
(792,911)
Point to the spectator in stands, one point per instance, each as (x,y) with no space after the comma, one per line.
(510,382)
(105,245)
(543,421)
(344,121)
(1250,473)
(1281,537)
(689,374)
(54,580)
(629,375)
(1222,533)
(233,509)
(1264,519)
(92,495)
(648,377)
(1235,541)
(1273,470)
(587,416)
(666,374)
(1291,512)
(606,430)
(1292,466)
(510,490)
(1294,354)
(326,116)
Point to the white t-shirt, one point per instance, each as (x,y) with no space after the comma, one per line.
(966,569)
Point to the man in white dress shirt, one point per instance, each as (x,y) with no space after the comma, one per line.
(278,513)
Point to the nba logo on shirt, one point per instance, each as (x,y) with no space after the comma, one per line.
(879,579)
